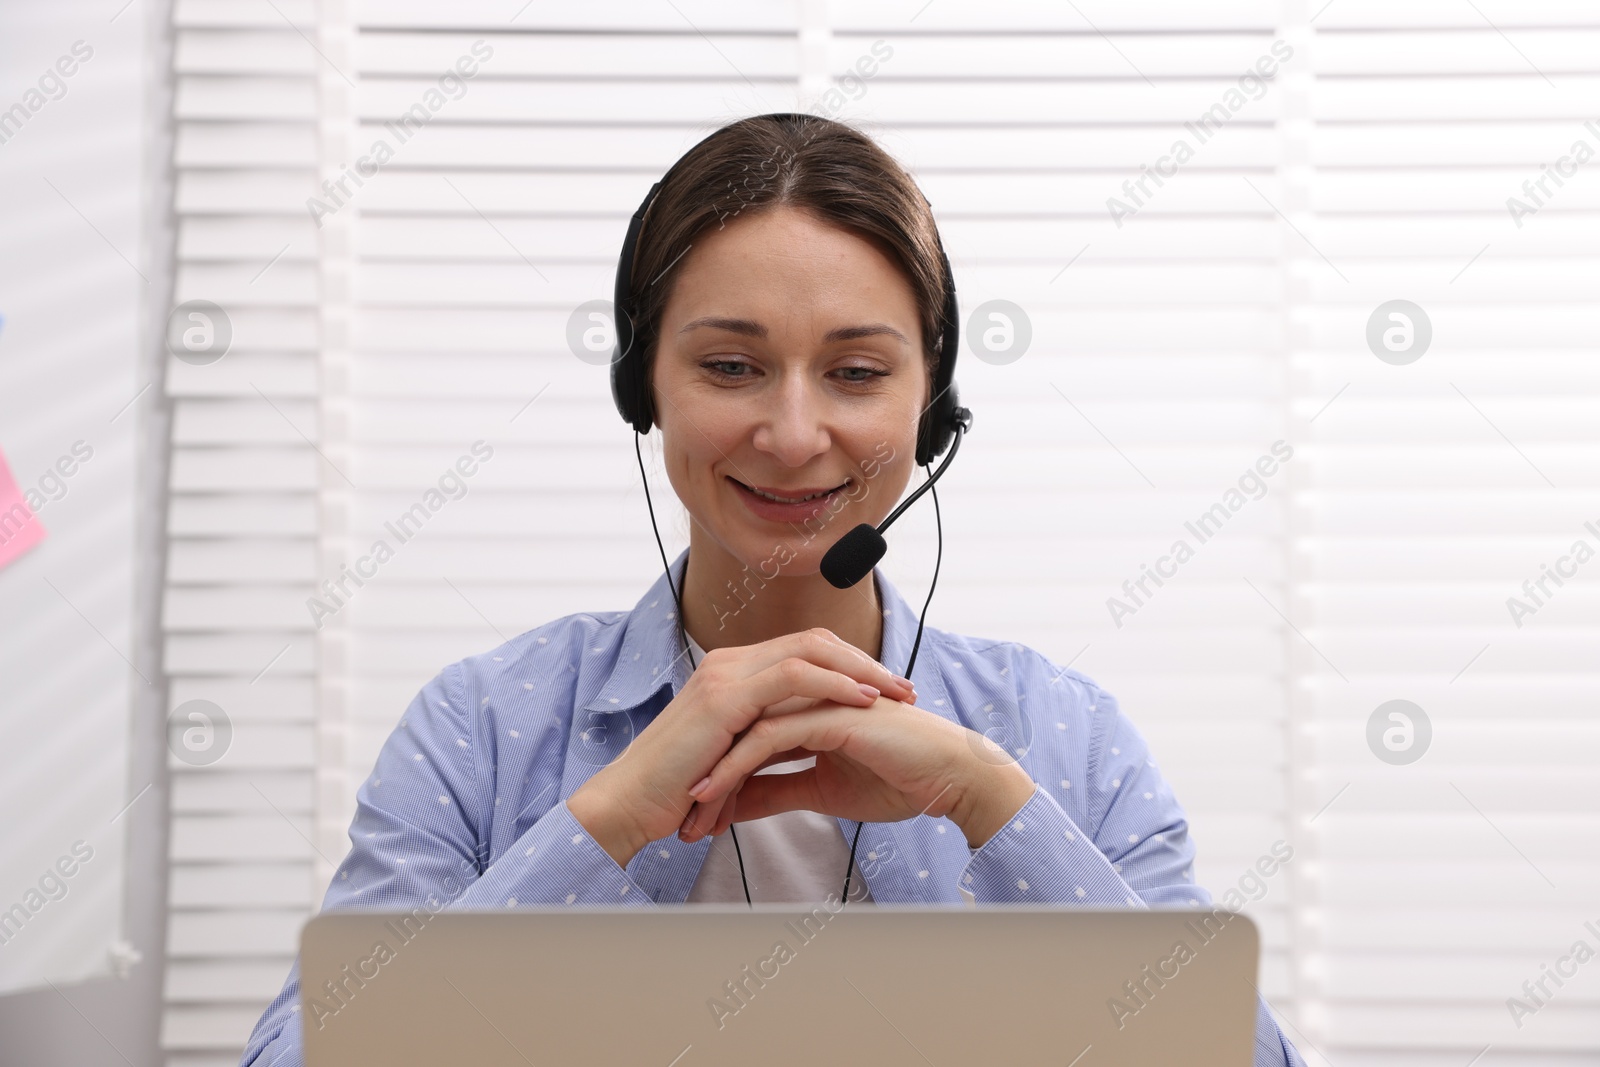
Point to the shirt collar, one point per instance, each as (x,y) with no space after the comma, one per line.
(653,656)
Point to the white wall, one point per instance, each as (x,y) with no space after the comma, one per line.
(73,279)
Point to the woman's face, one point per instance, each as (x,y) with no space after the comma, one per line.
(790,361)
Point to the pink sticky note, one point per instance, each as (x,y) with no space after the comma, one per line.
(20,529)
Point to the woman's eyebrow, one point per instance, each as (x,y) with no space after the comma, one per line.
(872,329)
(748,328)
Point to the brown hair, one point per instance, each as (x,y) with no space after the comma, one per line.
(820,165)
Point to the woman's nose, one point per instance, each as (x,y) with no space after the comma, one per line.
(794,429)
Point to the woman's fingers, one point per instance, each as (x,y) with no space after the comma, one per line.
(772,794)
(820,730)
(730,807)
(702,817)
(786,756)
(826,649)
(732,689)
(798,678)
(790,706)
(698,824)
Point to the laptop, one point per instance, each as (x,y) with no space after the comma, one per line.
(779,984)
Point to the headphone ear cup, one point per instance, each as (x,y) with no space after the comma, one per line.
(938,422)
(938,427)
(628,388)
(624,390)
(925,451)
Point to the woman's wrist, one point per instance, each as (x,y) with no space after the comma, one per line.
(605,821)
(993,795)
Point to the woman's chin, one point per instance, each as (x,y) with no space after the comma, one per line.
(785,555)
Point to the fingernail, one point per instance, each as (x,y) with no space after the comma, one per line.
(907,682)
(701,786)
(868,691)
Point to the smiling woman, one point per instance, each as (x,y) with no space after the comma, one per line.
(786,319)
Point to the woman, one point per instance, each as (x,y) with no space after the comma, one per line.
(788,297)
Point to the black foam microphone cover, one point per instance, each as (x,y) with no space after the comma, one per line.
(853,556)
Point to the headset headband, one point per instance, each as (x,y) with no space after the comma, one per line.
(630,386)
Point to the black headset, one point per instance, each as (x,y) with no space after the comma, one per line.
(630,385)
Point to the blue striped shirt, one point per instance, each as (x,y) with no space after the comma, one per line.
(467,802)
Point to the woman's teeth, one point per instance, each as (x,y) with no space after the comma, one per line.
(787,500)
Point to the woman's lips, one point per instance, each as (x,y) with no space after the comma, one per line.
(773,511)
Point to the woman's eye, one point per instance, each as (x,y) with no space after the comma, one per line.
(719,367)
(732,369)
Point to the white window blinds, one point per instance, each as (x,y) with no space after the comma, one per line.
(1435,489)
(244,515)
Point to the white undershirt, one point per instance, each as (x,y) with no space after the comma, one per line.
(792,857)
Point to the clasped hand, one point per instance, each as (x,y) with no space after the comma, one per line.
(879,758)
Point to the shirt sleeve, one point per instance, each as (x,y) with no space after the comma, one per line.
(420,828)
(1129,846)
